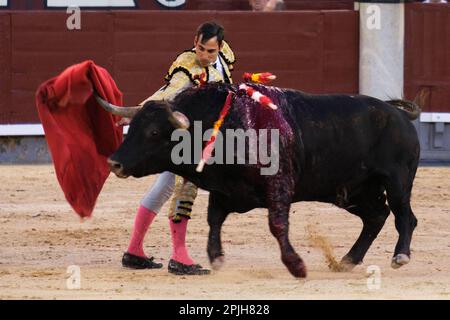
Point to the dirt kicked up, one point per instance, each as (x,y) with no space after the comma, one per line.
(43,246)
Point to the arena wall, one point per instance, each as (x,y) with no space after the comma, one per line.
(186,4)
(303,48)
(427,64)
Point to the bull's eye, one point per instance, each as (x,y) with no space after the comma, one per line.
(151,133)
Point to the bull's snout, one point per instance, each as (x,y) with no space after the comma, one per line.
(116,168)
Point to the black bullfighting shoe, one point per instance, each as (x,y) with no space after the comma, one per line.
(135,262)
(181,269)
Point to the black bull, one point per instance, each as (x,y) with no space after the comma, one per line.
(352,151)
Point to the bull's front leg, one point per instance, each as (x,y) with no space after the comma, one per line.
(217,214)
(279,203)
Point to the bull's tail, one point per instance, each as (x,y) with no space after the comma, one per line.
(412,108)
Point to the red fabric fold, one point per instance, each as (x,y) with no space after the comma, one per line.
(79,132)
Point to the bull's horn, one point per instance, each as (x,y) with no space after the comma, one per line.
(127,112)
(178,119)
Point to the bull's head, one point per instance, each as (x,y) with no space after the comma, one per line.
(147,146)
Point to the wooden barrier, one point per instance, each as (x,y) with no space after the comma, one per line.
(314,51)
(203,5)
(427,53)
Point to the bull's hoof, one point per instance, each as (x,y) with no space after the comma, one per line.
(399,260)
(298,270)
(218,262)
(346,265)
(294,264)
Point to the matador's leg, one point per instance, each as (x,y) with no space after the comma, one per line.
(179,214)
(184,195)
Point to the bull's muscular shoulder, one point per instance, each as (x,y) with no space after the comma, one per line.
(186,62)
(228,55)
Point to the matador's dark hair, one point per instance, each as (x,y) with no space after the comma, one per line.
(210,30)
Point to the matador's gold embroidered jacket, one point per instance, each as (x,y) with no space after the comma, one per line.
(185,72)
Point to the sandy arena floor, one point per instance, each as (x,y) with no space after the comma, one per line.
(40,237)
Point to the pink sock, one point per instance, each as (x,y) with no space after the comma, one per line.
(179,251)
(143,220)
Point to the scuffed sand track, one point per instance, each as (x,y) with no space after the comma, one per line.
(40,236)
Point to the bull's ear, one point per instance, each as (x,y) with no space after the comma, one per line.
(179,120)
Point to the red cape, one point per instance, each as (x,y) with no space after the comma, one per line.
(80,134)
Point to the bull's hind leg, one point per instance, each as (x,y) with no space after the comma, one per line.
(399,197)
(371,207)
(217,213)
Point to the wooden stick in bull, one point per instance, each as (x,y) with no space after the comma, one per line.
(255,95)
(207,151)
(258,96)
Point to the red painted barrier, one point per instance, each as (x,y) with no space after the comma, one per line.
(204,4)
(427,53)
(314,51)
